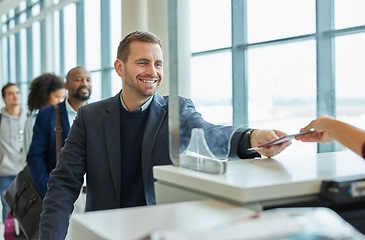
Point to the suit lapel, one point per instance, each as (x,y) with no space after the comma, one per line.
(112,139)
(155,118)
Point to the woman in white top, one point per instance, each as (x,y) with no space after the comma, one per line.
(44,90)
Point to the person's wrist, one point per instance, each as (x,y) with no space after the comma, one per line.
(252,138)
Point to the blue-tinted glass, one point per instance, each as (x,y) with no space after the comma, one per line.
(349,13)
(282,88)
(274,19)
(11,24)
(116,82)
(36,9)
(96,87)
(57,46)
(23,59)
(11,63)
(210,24)
(116,27)
(11,13)
(36,49)
(350,76)
(22,6)
(92,31)
(22,17)
(70,36)
(4,28)
(211,86)
(4,52)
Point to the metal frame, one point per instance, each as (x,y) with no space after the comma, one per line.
(30,65)
(105,27)
(239,63)
(80,33)
(326,85)
(173,108)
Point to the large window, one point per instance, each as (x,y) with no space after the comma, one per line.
(276,61)
(282,87)
(54,36)
(268,19)
(350,76)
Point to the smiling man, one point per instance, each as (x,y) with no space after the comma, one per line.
(141,72)
(117,141)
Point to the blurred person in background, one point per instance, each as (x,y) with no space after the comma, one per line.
(12,120)
(44,90)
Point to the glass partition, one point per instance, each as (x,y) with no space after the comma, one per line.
(195,143)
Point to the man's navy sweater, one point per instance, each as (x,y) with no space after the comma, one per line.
(132,128)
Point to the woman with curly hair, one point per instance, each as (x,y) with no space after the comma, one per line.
(44,90)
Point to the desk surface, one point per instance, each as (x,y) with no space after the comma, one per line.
(136,223)
(254,180)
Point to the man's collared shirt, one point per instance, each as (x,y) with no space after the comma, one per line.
(71,113)
(142,108)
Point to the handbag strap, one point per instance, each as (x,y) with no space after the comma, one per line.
(58,130)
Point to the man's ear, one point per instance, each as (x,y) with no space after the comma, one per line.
(118,66)
(67,86)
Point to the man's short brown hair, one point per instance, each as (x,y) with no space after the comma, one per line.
(9,84)
(123,48)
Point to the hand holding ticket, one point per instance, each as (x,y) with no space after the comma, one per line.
(279,140)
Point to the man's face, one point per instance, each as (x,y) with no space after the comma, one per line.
(12,96)
(79,85)
(142,73)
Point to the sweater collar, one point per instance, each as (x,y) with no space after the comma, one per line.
(142,108)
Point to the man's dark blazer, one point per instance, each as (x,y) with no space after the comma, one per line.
(41,157)
(93,147)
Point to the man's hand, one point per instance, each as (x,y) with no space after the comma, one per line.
(259,137)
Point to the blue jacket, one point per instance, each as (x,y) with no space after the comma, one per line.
(41,157)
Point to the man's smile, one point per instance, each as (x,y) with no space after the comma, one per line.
(150,81)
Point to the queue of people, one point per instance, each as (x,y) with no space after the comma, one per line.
(27,139)
(116,142)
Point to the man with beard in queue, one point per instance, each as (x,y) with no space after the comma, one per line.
(41,158)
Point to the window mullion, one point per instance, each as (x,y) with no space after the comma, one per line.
(239,64)
(326,104)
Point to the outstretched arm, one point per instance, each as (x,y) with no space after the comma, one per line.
(327,129)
